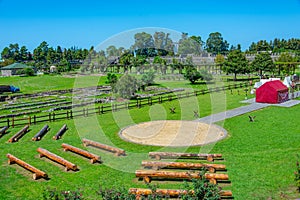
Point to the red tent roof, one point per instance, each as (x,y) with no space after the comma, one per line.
(272,92)
(277,85)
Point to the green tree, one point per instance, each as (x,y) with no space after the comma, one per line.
(40,54)
(24,54)
(236,63)
(112,79)
(192,74)
(190,45)
(126,86)
(215,44)
(163,44)
(148,78)
(144,44)
(112,51)
(262,63)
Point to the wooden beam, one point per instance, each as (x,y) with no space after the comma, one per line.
(182,165)
(41,133)
(3,130)
(115,150)
(19,134)
(147,175)
(68,165)
(61,131)
(94,158)
(36,172)
(171,192)
(160,155)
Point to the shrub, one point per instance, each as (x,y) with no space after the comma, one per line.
(54,194)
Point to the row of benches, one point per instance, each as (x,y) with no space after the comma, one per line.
(37,137)
(67,164)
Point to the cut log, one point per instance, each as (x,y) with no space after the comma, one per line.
(170,192)
(36,172)
(19,134)
(3,130)
(94,158)
(68,165)
(61,131)
(147,175)
(182,165)
(115,150)
(41,133)
(161,155)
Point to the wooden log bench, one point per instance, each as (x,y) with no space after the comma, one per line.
(19,134)
(41,133)
(36,172)
(94,158)
(115,150)
(3,130)
(147,175)
(161,155)
(173,193)
(183,165)
(61,131)
(68,165)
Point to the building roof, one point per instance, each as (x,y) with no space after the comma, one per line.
(16,66)
(276,85)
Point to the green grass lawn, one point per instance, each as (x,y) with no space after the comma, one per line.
(260,156)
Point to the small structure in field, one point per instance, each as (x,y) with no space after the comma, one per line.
(272,92)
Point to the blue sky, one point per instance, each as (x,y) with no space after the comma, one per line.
(90,22)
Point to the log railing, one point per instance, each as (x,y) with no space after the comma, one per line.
(115,150)
(147,175)
(41,133)
(61,131)
(182,165)
(160,155)
(94,158)
(68,165)
(19,134)
(36,172)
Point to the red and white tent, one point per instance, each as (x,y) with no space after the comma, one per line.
(272,92)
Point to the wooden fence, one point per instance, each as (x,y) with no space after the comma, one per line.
(85,112)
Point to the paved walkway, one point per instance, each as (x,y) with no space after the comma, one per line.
(245,109)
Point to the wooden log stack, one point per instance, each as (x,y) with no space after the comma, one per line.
(161,155)
(115,150)
(182,165)
(36,172)
(147,175)
(41,133)
(94,158)
(173,193)
(68,165)
(3,130)
(19,134)
(61,131)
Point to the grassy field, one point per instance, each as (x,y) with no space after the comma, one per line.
(260,156)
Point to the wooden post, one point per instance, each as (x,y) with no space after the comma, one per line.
(102,109)
(7,122)
(53,116)
(13,122)
(71,114)
(83,111)
(29,120)
(67,114)
(49,117)
(34,119)
(99,111)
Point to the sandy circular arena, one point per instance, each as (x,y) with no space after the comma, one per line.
(173,133)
